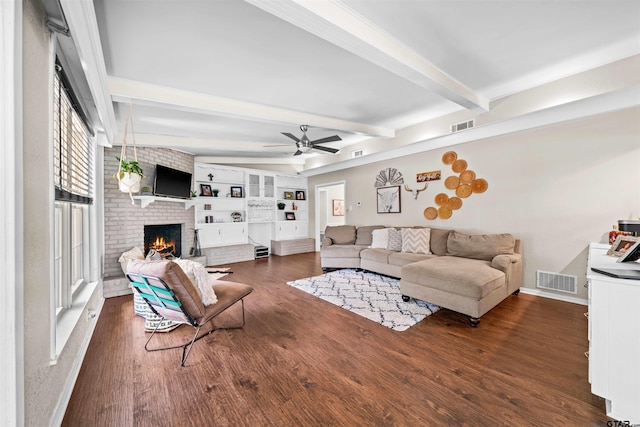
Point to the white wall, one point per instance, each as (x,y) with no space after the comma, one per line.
(47,384)
(557,188)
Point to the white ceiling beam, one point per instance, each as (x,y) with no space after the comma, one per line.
(297,160)
(140,93)
(340,25)
(83,26)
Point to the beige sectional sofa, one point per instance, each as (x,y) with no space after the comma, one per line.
(467,273)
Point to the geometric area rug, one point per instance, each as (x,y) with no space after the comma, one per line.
(369,295)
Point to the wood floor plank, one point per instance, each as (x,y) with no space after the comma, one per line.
(301,361)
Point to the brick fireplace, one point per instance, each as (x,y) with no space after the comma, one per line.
(166,239)
(124,223)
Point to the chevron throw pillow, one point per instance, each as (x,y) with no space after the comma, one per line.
(416,240)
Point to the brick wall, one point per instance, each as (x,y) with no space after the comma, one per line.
(124,222)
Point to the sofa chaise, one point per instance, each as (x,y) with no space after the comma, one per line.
(466,273)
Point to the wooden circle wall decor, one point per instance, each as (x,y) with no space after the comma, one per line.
(464,184)
(459,165)
(441,199)
(452,182)
(449,157)
(467,176)
(430,213)
(454,203)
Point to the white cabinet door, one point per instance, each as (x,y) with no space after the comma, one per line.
(234,233)
(210,235)
(300,229)
(284,230)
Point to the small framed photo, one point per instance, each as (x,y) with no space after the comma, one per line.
(622,245)
(236,191)
(205,190)
(300,195)
(389,199)
(207,207)
(290,216)
(288,195)
(338,207)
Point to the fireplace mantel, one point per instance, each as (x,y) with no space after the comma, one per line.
(147,200)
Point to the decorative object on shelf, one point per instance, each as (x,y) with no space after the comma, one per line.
(236,217)
(613,234)
(428,176)
(415,192)
(281,205)
(236,191)
(210,177)
(622,244)
(215,192)
(207,207)
(193,194)
(464,184)
(388,177)
(300,195)
(129,172)
(290,216)
(338,207)
(146,191)
(294,207)
(205,190)
(388,199)
(288,195)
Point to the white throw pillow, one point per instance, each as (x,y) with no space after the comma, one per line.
(395,240)
(416,240)
(133,253)
(200,279)
(380,238)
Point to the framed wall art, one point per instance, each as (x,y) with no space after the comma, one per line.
(338,207)
(236,191)
(205,190)
(388,199)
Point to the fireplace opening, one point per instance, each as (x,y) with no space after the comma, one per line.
(166,239)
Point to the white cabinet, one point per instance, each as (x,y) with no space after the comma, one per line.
(222,234)
(287,230)
(261,185)
(614,337)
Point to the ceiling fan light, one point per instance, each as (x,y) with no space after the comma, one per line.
(304,149)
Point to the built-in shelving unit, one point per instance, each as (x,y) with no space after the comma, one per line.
(253,217)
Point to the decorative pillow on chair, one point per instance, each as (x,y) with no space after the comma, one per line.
(416,240)
(133,253)
(380,238)
(395,240)
(200,279)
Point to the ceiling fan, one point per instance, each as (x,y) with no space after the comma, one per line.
(304,144)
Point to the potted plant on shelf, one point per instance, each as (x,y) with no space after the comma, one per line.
(281,205)
(215,192)
(147,191)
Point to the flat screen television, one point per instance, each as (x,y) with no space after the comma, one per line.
(172,183)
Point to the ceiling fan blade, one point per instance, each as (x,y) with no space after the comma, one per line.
(327,149)
(297,153)
(327,139)
(295,138)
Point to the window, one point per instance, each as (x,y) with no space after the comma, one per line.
(73,181)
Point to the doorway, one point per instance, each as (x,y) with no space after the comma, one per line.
(330,208)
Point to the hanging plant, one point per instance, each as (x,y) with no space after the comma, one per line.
(129,173)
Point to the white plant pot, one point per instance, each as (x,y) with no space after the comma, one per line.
(129,182)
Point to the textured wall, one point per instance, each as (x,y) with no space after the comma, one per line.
(124,222)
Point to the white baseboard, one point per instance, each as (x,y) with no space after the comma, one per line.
(550,295)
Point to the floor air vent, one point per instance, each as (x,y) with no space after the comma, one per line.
(557,282)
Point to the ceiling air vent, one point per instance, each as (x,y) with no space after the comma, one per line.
(357,153)
(462,126)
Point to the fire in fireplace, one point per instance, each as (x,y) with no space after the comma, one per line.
(166,239)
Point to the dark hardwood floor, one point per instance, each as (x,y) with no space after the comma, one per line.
(300,361)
